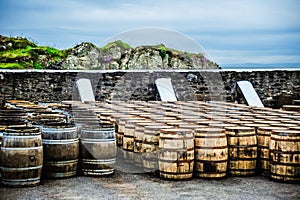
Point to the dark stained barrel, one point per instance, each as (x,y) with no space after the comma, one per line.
(61,150)
(98,149)
(21,156)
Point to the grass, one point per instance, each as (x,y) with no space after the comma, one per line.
(116,43)
(23,54)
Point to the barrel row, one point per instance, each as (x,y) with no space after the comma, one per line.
(58,150)
(141,146)
(244,159)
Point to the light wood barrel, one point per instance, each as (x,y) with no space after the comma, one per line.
(138,141)
(150,145)
(242,154)
(128,138)
(263,142)
(21,156)
(284,155)
(211,153)
(176,154)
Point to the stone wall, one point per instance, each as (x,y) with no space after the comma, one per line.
(45,86)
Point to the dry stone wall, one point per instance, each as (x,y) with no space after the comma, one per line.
(45,86)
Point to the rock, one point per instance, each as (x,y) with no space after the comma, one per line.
(86,56)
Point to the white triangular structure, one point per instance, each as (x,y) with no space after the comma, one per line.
(165,89)
(250,94)
(85,90)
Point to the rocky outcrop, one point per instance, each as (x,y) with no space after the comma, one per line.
(21,53)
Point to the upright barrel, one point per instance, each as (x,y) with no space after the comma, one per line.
(211,153)
(284,155)
(176,154)
(242,150)
(150,146)
(98,149)
(21,156)
(263,143)
(128,138)
(61,150)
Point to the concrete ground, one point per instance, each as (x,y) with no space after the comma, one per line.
(124,185)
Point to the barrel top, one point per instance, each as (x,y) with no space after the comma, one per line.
(256,125)
(145,123)
(191,126)
(22,129)
(209,130)
(97,126)
(270,128)
(239,128)
(286,132)
(157,127)
(175,131)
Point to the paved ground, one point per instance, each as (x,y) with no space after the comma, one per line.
(123,185)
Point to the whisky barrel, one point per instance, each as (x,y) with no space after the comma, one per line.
(21,156)
(128,138)
(120,121)
(138,141)
(61,150)
(98,149)
(242,150)
(176,154)
(263,141)
(211,153)
(150,147)
(284,155)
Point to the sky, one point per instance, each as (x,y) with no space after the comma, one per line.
(228,31)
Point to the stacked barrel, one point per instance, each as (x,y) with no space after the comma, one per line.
(229,139)
(177,140)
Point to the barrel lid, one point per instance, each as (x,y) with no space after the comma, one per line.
(174,131)
(191,126)
(270,128)
(22,130)
(145,123)
(286,132)
(295,128)
(210,130)
(256,125)
(284,125)
(157,127)
(239,128)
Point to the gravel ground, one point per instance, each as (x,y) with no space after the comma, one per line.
(123,185)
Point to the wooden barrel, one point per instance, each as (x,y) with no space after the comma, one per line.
(98,149)
(61,150)
(211,153)
(138,141)
(21,156)
(284,155)
(242,150)
(150,147)
(176,154)
(120,121)
(44,118)
(128,138)
(263,141)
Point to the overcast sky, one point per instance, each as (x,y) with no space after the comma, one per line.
(230,31)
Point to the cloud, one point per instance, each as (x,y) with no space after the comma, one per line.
(220,26)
